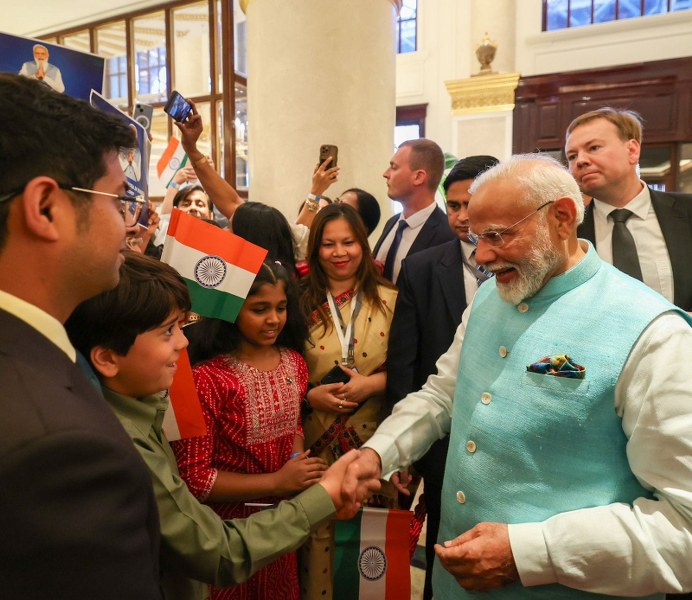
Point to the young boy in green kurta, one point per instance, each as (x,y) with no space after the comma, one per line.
(132,338)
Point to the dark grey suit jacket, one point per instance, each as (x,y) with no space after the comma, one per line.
(674,213)
(428,311)
(77,511)
(435,231)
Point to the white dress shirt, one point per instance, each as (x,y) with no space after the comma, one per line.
(470,281)
(409,235)
(651,541)
(652,251)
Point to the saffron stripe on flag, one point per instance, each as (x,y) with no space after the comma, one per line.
(397,551)
(213,240)
(185,402)
(346,554)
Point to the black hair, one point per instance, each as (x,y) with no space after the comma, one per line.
(147,293)
(265,226)
(368,208)
(184,192)
(51,134)
(210,338)
(469,168)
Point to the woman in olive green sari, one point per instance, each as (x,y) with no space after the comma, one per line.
(350,308)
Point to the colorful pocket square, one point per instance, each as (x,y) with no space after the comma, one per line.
(559,365)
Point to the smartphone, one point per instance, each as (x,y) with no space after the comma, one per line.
(143,114)
(336,375)
(327,150)
(177,107)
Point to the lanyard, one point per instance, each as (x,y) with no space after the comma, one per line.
(345,334)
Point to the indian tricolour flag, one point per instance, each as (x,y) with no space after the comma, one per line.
(172,159)
(217,266)
(183,417)
(371,556)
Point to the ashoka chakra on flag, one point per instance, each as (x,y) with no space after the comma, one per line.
(372,563)
(210,271)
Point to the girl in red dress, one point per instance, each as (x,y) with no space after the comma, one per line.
(251,378)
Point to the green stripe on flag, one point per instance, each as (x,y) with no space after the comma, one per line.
(214,303)
(346,554)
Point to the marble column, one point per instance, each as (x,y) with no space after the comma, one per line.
(319,72)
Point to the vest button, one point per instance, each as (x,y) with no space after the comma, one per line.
(503,351)
(461,497)
(471,446)
(523,307)
(486,398)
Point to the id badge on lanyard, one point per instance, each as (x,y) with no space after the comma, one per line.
(345,334)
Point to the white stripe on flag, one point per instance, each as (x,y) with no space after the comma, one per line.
(170,424)
(373,533)
(237,281)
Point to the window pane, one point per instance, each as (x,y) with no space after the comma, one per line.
(242,173)
(78,41)
(204,142)
(219,46)
(408,9)
(407,36)
(556,17)
(680,5)
(159,141)
(655,7)
(220,150)
(581,13)
(110,44)
(240,40)
(629,9)
(151,83)
(604,11)
(192,74)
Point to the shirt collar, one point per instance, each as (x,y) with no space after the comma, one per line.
(417,219)
(40,320)
(145,412)
(639,205)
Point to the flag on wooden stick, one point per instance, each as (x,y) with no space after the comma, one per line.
(183,418)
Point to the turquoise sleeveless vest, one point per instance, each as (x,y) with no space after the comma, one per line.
(525,446)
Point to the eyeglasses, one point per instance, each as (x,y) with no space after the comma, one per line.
(494,238)
(130,206)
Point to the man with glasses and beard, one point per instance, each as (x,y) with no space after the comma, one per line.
(568,399)
(77,511)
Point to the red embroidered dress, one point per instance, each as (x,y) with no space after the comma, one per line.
(252,418)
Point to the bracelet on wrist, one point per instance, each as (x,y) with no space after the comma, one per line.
(312,205)
(199,161)
(174,185)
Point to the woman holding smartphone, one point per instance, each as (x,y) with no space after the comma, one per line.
(350,309)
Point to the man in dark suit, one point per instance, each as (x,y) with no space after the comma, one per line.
(412,178)
(435,285)
(602,149)
(77,512)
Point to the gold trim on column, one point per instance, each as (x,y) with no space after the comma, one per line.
(245,3)
(486,93)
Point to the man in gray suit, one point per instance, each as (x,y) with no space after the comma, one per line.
(42,70)
(77,511)
(602,149)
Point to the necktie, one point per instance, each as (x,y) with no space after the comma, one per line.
(479,271)
(624,249)
(391,254)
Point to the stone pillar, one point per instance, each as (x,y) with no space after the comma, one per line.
(319,72)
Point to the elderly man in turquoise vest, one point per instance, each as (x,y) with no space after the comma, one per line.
(567,391)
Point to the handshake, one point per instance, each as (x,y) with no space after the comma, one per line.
(350,481)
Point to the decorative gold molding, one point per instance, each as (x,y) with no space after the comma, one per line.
(484,93)
(245,3)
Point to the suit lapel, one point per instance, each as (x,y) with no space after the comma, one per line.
(427,232)
(587,229)
(678,237)
(450,275)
